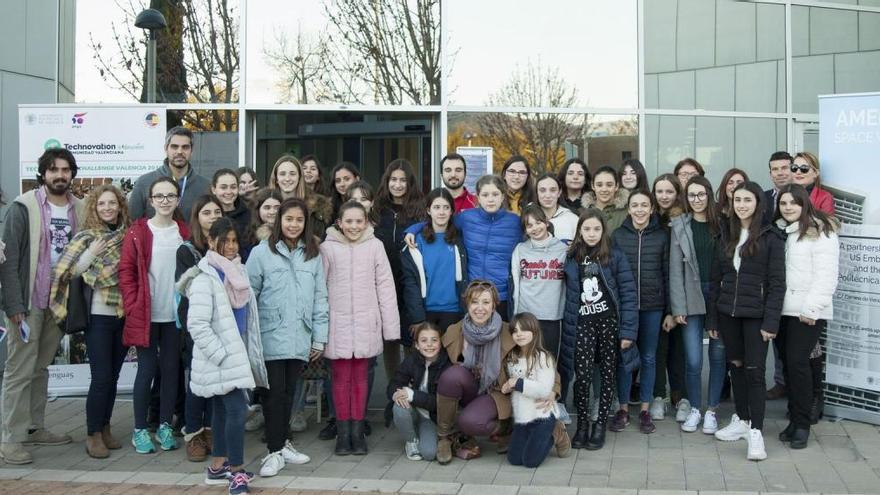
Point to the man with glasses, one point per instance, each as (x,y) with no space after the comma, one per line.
(38,226)
(780,175)
(178,152)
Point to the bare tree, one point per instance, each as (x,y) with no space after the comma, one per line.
(302,64)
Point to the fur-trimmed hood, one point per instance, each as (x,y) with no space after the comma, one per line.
(812,232)
(321,207)
(588,200)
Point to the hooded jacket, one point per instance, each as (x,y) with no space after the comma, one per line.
(321,213)
(415,283)
(647,251)
(615,212)
(564,224)
(363,302)
(411,373)
(538,278)
(192,185)
(241,219)
(223,359)
(811,269)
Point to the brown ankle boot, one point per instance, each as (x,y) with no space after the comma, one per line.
(209,439)
(447,409)
(561,440)
(196,448)
(109,440)
(95,446)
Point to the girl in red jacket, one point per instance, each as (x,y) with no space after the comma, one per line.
(146,279)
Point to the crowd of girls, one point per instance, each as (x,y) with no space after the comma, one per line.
(487,311)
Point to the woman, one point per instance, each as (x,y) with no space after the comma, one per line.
(811,267)
(94,255)
(805,172)
(313,175)
(731,180)
(549,194)
(224,187)
(745,302)
(687,168)
(607,196)
(341,177)
(517,176)
(247,183)
(287,178)
(633,175)
(574,177)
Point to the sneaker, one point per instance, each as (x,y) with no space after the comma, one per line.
(165,436)
(737,429)
(255,419)
(563,414)
(46,437)
(271,464)
(298,422)
(693,421)
(646,425)
(411,448)
(658,409)
(293,456)
(142,442)
(710,423)
(682,410)
(14,453)
(218,476)
(238,483)
(620,421)
(756,446)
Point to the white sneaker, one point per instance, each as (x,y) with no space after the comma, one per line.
(255,419)
(756,446)
(411,448)
(710,423)
(298,423)
(658,409)
(737,429)
(271,464)
(682,410)
(693,421)
(563,414)
(293,456)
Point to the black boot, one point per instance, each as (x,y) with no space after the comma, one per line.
(367,428)
(343,437)
(597,437)
(579,440)
(358,440)
(328,432)
(817,407)
(799,438)
(786,434)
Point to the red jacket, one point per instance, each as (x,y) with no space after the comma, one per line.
(465,201)
(822,200)
(134,281)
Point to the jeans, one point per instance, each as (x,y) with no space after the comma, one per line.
(164,352)
(230,411)
(745,346)
(794,343)
(692,337)
(412,425)
(649,334)
(717,370)
(282,375)
(106,355)
(530,442)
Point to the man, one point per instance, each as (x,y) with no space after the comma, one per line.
(38,226)
(780,175)
(453,170)
(178,151)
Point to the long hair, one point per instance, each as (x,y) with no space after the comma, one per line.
(412,199)
(247,170)
(320,186)
(310,241)
(564,171)
(554,178)
(335,197)
(300,190)
(755,225)
(451,234)
(679,197)
(534,353)
(527,194)
(197,238)
(711,207)
(177,215)
(723,201)
(367,190)
(260,197)
(639,169)
(218,232)
(813,160)
(810,216)
(579,249)
(93,221)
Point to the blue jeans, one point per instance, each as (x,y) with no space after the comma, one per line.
(692,335)
(412,425)
(106,354)
(230,411)
(649,335)
(530,442)
(717,370)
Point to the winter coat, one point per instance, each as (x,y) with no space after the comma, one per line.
(811,268)
(414,287)
(757,290)
(685,287)
(822,200)
(410,374)
(134,281)
(391,230)
(615,212)
(320,213)
(363,302)
(192,186)
(621,284)
(564,224)
(241,219)
(648,254)
(531,387)
(222,361)
(291,295)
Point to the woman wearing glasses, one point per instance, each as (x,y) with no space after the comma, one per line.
(687,168)
(517,176)
(805,172)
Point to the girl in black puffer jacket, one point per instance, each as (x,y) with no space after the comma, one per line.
(745,303)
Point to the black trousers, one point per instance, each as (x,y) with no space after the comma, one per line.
(794,343)
(278,400)
(744,344)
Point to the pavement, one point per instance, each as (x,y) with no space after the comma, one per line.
(842,457)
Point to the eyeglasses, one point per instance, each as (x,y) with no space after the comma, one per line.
(517,172)
(164,198)
(686,175)
(800,168)
(697,197)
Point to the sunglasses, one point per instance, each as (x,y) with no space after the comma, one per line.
(485,284)
(800,168)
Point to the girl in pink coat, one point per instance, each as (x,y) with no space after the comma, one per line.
(363,313)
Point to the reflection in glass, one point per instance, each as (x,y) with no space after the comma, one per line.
(215,144)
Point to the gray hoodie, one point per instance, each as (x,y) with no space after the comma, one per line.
(538,278)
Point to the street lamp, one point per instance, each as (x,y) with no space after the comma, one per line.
(152,20)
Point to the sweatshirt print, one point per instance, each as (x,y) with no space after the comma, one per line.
(538,269)
(595,300)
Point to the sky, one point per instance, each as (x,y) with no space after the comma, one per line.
(593,44)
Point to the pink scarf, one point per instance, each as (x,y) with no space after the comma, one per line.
(237,285)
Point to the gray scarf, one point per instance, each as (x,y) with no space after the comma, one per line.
(484,349)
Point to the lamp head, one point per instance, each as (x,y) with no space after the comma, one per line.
(150,19)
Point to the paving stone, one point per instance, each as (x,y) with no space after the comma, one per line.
(431,488)
(607,491)
(104,476)
(52,475)
(153,478)
(367,485)
(479,489)
(315,483)
(588,481)
(14,474)
(272,482)
(546,490)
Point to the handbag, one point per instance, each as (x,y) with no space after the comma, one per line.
(79,298)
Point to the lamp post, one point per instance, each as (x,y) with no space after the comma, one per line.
(152,20)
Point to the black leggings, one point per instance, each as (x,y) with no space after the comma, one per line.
(164,353)
(744,344)
(278,400)
(595,343)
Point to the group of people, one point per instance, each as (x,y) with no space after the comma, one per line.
(486,307)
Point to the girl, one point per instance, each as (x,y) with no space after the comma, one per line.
(362,192)
(601,316)
(607,197)
(94,254)
(313,175)
(433,271)
(413,393)
(363,315)
(342,176)
(520,189)
(197,430)
(667,194)
(646,246)
(632,175)
(811,259)
(227,352)
(266,204)
(687,168)
(563,220)
(694,237)
(248,184)
(287,177)
(146,279)
(287,276)
(575,179)
(224,187)
(745,302)
(532,372)
(732,178)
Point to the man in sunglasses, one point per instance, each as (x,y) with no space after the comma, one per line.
(780,175)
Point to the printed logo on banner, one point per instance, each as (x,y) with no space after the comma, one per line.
(78,119)
(151,120)
(30,119)
(51,143)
